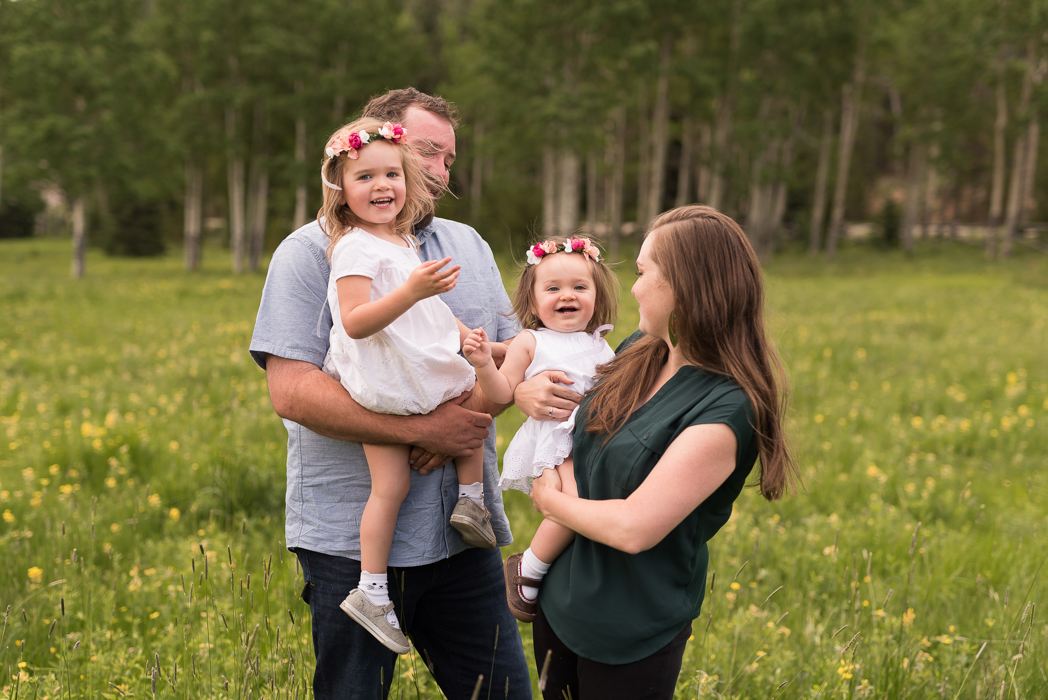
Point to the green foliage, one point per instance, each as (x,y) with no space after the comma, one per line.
(137,430)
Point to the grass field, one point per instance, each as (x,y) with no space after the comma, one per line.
(142,485)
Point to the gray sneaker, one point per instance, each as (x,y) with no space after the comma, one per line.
(373,618)
(474,524)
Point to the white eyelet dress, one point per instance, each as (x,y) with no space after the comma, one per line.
(542,445)
(412,365)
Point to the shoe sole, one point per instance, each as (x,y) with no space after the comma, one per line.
(471,534)
(375,631)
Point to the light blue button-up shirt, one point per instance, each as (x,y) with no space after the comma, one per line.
(327,479)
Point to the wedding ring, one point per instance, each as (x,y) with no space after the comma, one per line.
(551,413)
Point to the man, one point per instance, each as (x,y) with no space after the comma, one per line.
(450,598)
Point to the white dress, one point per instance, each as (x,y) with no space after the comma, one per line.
(412,365)
(542,445)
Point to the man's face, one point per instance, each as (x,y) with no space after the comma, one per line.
(434,141)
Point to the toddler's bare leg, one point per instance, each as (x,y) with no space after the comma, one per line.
(390,481)
(552,538)
(470,469)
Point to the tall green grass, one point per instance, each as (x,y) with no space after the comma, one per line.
(142,483)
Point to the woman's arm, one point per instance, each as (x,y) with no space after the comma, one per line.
(693,467)
(498,384)
(362,317)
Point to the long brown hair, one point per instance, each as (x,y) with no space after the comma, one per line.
(605,301)
(336,217)
(718,312)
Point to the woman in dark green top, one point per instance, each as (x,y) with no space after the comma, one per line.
(663,447)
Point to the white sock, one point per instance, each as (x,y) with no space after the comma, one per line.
(532,567)
(376,588)
(474,492)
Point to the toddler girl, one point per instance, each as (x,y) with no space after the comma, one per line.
(564,301)
(393,344)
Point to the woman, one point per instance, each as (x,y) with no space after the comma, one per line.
(663,447)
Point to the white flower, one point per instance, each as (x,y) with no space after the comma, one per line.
(329,152)
(364,137)
(386,131)
(532,258)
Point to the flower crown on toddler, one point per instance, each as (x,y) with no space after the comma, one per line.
(352,141)
(571,245)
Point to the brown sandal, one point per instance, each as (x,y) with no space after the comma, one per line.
(521,609)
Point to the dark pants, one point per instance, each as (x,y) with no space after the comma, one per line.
(652,678)
(454,611)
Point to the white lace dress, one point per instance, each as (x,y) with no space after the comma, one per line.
(412,365)
(542,445)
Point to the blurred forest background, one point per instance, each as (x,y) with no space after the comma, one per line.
(135,125)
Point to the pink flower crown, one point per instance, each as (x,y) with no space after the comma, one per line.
(571,245)
(352,141)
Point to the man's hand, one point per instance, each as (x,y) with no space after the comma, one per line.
(428,279)
(448,431)
(543,397)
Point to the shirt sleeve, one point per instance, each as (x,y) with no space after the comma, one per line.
(734,409)
(354,254)
(508,325)
(293,319)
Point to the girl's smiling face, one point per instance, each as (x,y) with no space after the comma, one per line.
(373,186)
(564,292)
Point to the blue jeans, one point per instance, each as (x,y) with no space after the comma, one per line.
(454,611)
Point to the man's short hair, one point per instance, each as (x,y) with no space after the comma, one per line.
(391,106)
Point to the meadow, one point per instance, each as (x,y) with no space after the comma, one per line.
(142,485)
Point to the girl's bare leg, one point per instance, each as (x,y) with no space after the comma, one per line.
(552,538)
(390,481)
(470,469)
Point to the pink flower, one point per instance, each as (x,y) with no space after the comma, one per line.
(592,252)
(398,133)
(354,141)
(549,247)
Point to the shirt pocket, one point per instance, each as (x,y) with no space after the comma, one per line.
(639,449)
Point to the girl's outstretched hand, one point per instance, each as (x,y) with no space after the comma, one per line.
(476,348)
(428,279)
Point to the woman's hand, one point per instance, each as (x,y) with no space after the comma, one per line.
(548,482)
(543,397)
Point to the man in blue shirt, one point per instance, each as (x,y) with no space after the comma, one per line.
(450,598)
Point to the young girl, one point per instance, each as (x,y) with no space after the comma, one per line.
(565,300)
(393,344)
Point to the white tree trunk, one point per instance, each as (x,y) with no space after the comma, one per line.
(1017,187)
(721,134)
(930,191)
(822,178)
(235,177)
(568,192)
(476,178)
(591,192)
(644,155)
(257,209)
(660,134)
(616,157)
(549,191)
(687,145)
(1033,141)
(193,214)
(702,189)
(301,192)
(79,236)
(1000,125)
(914,179)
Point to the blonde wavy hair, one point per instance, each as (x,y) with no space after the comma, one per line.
(335,216)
